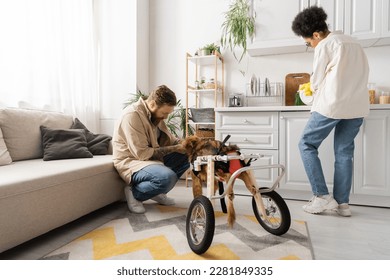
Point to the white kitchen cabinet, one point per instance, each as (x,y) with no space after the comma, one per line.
(249,130)
(254,133)
(386,18)
(274,38)
(385,38)
(372,155)
(366,20)
(275,133)
(291,128)
(273,27)
(335,11)
(363,20)
(270,11)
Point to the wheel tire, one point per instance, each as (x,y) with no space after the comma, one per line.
(274,204)
(200,225)
(221,189)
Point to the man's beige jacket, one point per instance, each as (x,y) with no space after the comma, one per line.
(135,139)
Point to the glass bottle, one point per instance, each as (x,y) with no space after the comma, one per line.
(371,92)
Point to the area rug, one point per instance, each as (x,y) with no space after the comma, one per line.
(160,234)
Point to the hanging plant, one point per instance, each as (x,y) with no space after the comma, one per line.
(238,26)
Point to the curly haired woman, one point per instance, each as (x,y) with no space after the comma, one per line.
(339,85)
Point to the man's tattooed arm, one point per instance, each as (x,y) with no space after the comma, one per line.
(159,153)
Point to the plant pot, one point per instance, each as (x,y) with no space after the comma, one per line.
(203,52)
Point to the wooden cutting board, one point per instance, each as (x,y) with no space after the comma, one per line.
(293,80)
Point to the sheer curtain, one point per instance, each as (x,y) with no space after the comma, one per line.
(48,56)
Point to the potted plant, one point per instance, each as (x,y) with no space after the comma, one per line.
(209,49)
(175,122)
(239,25)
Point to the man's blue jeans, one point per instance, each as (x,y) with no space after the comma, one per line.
(317,129)
(156,179)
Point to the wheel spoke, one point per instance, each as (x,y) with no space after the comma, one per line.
(273,218)
(198,224)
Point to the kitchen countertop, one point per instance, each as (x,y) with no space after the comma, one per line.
(286,108)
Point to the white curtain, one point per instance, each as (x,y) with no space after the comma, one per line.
(48,56)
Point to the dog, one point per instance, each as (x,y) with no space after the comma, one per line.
(196,146)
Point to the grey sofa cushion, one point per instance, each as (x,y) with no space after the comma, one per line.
(21,130)
(64,143)
(97,143)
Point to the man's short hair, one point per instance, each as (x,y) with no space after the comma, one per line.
(163,95)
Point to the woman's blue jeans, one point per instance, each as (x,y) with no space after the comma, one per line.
(156,179)
(317,129)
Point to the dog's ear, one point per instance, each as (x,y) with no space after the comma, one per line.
(190,143)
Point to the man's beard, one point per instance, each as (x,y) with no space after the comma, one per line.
(155,120)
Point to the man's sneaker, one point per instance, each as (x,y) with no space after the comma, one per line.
(163,199)
(343,210)
(134,205)
(319,204)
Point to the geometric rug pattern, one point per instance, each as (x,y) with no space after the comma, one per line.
(160,234)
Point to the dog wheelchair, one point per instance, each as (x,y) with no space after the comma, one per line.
(269,208)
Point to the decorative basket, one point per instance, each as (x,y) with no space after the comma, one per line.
(205,132)
(202,115)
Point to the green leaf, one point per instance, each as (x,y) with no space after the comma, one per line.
(238,26)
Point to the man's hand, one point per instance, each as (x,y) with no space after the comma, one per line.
(159,153)
(181,149)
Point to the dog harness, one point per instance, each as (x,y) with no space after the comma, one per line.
(230,166)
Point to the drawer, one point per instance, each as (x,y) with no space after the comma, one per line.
(251,140)
(247,120)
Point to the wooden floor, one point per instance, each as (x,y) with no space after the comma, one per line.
(364,236)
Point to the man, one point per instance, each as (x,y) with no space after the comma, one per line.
(339,85)
(147,156)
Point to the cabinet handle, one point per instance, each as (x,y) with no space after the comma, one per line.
(246,140)
(245,121)
(281,117)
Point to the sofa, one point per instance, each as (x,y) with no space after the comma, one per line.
(53,170)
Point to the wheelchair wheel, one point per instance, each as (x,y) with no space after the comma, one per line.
(200,225)
(279,218)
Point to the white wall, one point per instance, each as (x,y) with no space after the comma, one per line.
(177,27)
(123,34)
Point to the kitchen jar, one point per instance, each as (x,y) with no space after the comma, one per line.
(384,98)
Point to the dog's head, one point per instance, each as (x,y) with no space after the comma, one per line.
(196,146)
